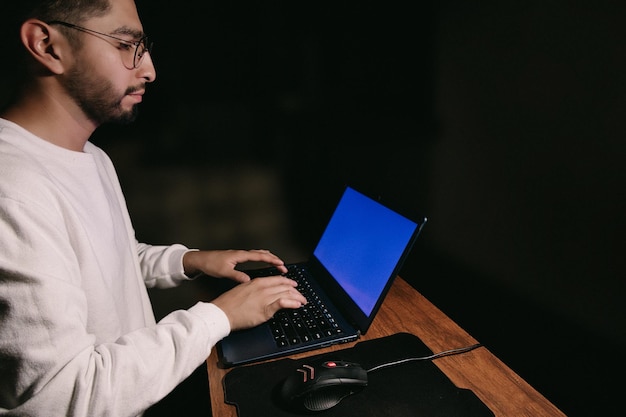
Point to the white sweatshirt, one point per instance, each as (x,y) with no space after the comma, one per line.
(77,332)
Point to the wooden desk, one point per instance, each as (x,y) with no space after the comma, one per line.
(501,389)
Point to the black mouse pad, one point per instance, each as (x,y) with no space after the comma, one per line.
(415,389)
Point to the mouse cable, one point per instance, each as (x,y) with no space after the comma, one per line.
(426,358)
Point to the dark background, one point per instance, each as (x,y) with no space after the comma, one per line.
(503,122)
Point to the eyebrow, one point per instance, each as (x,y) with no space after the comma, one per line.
(125,30)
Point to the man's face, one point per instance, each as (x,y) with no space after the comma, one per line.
(102,80)
(101,100)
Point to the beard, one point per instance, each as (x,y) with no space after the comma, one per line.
(97,98)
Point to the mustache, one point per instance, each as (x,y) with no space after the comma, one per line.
(131,90)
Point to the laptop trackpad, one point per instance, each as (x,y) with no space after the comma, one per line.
(249,343)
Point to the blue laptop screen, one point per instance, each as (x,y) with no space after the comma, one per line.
(362,245)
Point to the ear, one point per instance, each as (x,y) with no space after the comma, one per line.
(45,44)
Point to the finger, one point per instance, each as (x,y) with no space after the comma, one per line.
(290,299)
(289,303)
(238,276)
(279,287)
(276,281)
(291,296)
(263,255)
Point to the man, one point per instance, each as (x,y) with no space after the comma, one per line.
(77,333)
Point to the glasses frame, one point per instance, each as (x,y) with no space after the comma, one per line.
(137,57)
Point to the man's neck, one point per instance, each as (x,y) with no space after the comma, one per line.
(44,115)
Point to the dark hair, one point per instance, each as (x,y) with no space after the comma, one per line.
(15,12)
(47,10)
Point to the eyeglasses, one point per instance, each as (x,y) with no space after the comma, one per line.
(141,46)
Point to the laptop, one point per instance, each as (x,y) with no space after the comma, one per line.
(345,281)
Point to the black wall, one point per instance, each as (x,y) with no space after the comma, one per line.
(502,122)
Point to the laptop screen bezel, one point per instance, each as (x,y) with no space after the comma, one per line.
(342,300)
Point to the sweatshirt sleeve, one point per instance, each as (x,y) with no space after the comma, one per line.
(51,361)
(162,266)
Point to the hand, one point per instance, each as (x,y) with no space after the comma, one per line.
(256,301)
(222,263)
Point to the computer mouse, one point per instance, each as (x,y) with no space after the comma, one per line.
(321,385)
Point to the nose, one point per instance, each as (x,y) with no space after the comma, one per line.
(146,69)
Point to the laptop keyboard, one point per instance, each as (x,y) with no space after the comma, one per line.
(310,322)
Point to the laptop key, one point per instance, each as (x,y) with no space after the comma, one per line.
(310,322)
